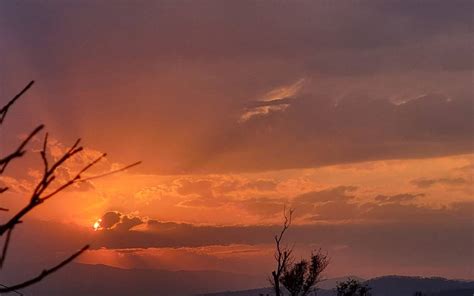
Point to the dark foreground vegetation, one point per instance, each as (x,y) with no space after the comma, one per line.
(388,286)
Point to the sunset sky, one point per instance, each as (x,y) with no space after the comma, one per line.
(357,114)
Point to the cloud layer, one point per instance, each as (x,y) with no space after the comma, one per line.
(211,88)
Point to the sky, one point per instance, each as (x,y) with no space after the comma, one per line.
(357,114)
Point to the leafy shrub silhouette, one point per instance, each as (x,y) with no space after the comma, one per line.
(352,287)
(299,278)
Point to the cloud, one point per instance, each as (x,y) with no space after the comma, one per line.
(252,71)
(201,187)
(119,222)
(326,205)
(128,223)
(226,190)
(277,100)
(388,235)
(326,214)
(263,207)
(184,116)
(223,184)
(262,111)
(315,132)
(260,185)
(335,194)
(397,198)
(427,183)
(243,259)
(339,205)
(110,219)
(284,92)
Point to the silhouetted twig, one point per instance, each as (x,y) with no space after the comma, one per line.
(5,247)
(44,273)
(4,110)
(112,172)
(19,152)
(41,192)
(282,254)
(16,292)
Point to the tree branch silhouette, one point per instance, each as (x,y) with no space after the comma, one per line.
(44,273)
(282,253)
(19,151)
(298,278)
(42,191)
(4,110)
(301,278)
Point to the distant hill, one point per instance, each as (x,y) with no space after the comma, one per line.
(456,292)
(330,284)
(94,280)
(386,286)
(326,289)
(405,285)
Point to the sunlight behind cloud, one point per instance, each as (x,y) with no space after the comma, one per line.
(285,91)
(96,225)
(272,98)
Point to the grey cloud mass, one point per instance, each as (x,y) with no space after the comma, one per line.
(184,72)
(391,242)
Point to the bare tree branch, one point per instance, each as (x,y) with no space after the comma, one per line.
(4,110)
(16,292)
(5,247)
(19,152)
(112,172)
(40,193)
(44,273)
(37,196)
(282,254)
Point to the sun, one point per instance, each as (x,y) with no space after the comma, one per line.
(96,225)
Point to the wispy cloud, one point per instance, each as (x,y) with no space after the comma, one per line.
(286,91)
(426,183)
(262,111)
(276,100)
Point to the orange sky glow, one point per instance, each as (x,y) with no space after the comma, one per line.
(365,130)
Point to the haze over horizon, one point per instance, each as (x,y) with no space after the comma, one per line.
(356,114)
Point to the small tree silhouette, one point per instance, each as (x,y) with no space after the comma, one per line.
(352,287)
(282,253)
(298,278)
(43,191)
(301,278)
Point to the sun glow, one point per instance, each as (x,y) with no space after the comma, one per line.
(96,225)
